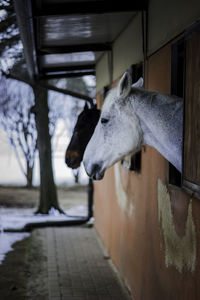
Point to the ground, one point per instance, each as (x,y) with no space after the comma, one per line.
(57,263)
(27,259)
(21,197)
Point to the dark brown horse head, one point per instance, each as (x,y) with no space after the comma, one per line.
(83,131)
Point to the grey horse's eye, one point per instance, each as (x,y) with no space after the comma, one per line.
(103,120)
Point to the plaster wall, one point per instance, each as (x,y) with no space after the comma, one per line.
(127,50)
(166,20)
(102,72)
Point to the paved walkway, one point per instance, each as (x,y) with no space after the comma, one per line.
(77,267)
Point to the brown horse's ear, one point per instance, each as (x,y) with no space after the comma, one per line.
(86,107)
(139,83)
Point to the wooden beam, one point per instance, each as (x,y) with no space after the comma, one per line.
(87,7)
(66,75)
(89,67)
(74,48)
(50,87)
(65,91)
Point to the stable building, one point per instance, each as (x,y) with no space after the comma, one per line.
(146,212)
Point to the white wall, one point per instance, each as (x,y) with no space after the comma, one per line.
(166,20)
(127,50)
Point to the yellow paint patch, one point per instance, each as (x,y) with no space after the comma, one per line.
(122,198)
(179,251)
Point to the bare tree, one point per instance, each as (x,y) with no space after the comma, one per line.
(11,54)
(18,122)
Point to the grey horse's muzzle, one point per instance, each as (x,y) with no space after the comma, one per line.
(94,171)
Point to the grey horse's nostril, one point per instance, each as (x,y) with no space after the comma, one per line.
(95,169)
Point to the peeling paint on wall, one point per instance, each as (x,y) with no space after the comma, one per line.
(122,198)
(179,251)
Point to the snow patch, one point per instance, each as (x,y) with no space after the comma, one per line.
(17,219)
(13,218)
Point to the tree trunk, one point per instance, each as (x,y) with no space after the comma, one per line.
(29,176)
(48,192)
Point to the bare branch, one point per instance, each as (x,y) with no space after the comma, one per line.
(17,156)
(50,87)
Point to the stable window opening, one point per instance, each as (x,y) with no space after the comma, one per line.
(177,88)
(133,162)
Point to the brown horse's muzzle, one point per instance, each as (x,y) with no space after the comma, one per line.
(72,159)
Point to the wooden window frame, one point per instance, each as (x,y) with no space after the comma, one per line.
(189,186)
(175,177)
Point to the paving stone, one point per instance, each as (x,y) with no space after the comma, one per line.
(76,266)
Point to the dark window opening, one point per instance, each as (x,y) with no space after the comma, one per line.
(177,88)
(105,91)
(191,153)
(134,163)
(136,72)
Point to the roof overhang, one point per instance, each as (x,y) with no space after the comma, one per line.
(63,38)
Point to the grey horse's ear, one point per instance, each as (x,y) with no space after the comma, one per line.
(124,85)
(139,83)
